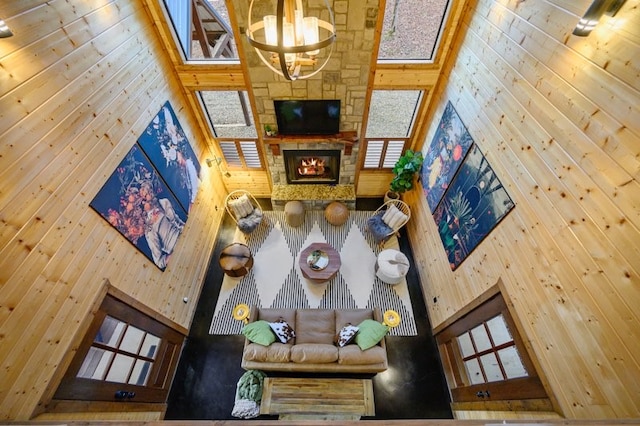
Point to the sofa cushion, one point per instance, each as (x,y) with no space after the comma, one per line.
(316,353)
(273,315)
(370,333)
(259,332)
(282,330)
(353,355)
(351,316)
(315,326)
(277,352)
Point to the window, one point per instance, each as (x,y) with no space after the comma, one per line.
(412,29)
(202,28)
(120,353)
(229,113)
(485,358)
(392,113)
(489,352)
(391,117)
(125,355)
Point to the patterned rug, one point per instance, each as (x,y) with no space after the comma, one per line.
(275,281)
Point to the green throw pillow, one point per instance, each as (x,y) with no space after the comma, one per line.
(259,332)
(370,333)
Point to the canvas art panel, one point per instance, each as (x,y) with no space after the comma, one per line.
(448,148)
(473,205)
(137,202)
(168,148)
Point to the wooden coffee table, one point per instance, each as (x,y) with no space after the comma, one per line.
(321,275)
(317,398)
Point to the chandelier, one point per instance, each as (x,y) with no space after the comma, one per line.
(288,41)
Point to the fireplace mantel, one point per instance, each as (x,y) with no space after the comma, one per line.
(348,138)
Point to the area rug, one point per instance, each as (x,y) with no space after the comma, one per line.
(275,281)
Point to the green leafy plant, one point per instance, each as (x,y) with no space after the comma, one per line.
(270,130)
(404,171)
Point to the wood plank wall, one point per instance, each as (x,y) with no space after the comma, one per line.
(558,118)
(79,82)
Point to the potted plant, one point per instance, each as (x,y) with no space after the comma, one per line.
(404,171)
(269,130)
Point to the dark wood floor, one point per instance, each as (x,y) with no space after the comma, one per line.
(204,387)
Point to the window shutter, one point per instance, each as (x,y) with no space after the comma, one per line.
(393,153)
(373,154)
(251,154)
(231,154)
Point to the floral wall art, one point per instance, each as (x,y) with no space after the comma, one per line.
(167,147)
(474,203)
(448,148)
(148,196)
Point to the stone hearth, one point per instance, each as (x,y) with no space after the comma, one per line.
(315,196)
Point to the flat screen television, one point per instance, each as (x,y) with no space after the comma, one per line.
(308,117)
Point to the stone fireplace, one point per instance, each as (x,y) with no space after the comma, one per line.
(315,188)
(306,166)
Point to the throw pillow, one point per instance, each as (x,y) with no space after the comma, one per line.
(370,333)
(389,213)
(245,205)
(393,217)
(398,219)
(259,332)
(347,334)
(283,331)
(241,206)
(235,206)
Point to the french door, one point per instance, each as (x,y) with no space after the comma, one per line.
(486,358)
(125,356)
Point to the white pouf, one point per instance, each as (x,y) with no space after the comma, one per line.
(392,266)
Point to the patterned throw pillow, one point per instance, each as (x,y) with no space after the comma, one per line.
(283,331)
(347,334)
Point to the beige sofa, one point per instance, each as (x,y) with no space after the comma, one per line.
(314,348)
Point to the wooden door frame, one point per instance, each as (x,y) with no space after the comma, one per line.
(48,404)
(549,403)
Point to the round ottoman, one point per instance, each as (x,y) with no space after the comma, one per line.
(294,213)
(392,266)
(336,213)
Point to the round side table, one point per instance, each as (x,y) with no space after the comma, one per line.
(236,260)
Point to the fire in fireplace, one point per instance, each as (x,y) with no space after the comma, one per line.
(312,166)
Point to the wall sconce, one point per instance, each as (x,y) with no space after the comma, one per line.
(217,161)
(287,40)
(591,17)
(4,30)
